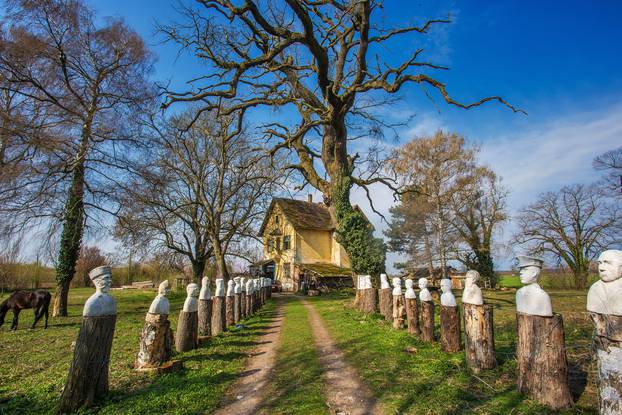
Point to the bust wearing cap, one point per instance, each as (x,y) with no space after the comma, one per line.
(532,299)
(101,303)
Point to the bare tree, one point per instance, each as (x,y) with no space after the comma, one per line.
(94,77)
(610,163)
(572,224)
(201,191)
(90,257)
(326,61)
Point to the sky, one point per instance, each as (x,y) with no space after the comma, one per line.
(560,62)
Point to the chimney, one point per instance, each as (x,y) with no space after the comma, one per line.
(310,198)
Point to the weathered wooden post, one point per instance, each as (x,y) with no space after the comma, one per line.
(249,297)
(243,298)
(237,305)
(399,310)
(269,288)
(187,336)
(367,296)
(230,303)
(88,374)
(604,302)
(205,308)
(427,311)
(450,319)
(218,308)
(412,308)
(541,351)
(156,339)
(256,300)
(479,338)
(385,300)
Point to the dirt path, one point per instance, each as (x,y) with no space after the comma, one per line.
(247,393)
(345,392)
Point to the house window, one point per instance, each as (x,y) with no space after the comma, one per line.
(270,244)
(286,242)
(276,219)
(277,244)
(286,270)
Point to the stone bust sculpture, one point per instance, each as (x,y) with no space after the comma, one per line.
(238,287)
(101,303)
(220,288)
(242,284)
(206,292)
(230,288)
(531,299)
(191,304)
(410,291)
(424,294)
(364,282)
(160,304)
(605,295)
(384,282)
(249,286)
(397,286)
(447,297)
(472,294)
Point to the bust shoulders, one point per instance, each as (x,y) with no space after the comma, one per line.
(99,304)
(533,300)
(448,300)
(424,295)
(160,305)
(472,294)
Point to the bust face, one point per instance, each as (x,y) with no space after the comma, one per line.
(445,285)
(423,283)
(472,276)
(163,288)
(397,282)
(529,274)
(610,265)
(192,290)
(103,283)
(409,283)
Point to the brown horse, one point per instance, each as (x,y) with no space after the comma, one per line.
(39,300)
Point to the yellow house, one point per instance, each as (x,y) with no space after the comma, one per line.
(299,244)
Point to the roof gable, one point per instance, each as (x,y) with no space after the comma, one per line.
(301,214)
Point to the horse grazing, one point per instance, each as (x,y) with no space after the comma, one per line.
(39,300)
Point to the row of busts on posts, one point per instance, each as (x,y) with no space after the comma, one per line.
(201,317)
(540,352)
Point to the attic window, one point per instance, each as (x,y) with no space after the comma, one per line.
(286,242)
(276,219)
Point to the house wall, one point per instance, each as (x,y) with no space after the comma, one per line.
(282,258)
(339,256)
(313,246)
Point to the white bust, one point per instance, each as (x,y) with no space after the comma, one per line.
(384,282)
(101,303)
(230,288)
(605,295)
(397,286)
(364,282)
(242,284)
(160,304)
(249,286)
(220,288)
(447,297)
(206,292)
(191,304)
(410,291)
(531,299)
(238,286)
(424,294)
(472,294)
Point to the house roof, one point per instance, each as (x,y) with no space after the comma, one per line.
(326,270)
(303,215)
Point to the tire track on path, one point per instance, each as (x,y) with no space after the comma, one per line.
(345,392)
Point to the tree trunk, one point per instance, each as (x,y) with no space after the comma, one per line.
(399,312)
(198,269)
(218,315)
(368,300)
(427,321)
(156,342)
(385,303)
(88,375)
(237,308)
(412,315)
(60,299)
(219,258)
(607,346)
(541,357)
(450,329)
(479,337)
(205,317)
(187,336)
(230,310)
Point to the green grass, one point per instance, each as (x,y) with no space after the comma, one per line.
(433,382)
(297,384)
(34,363)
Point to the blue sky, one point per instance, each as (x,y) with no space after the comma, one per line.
(559,61)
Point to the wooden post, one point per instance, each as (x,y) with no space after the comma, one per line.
(243,305)
(88,375)
(237,308)
(412,315)
(385,303)
(367,300)
(399,312)
(427,321)
(187,336)
(607,346)
(450,329)
(541,357)
(479,337)
(230,310)
(205,317)
(218,315)
(156,342)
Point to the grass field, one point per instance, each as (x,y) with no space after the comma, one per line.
(34,363)
(433,382)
